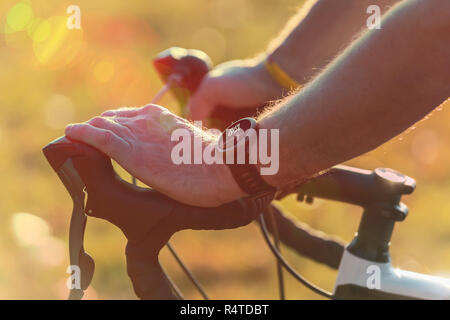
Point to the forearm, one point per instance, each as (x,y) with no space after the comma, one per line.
(382,84)
(318,32)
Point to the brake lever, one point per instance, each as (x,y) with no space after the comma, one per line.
(190,66)
(82,169)
(81,263)
(151,218)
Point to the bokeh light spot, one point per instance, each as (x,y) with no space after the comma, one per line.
(19,16)
(54,45)
(39,30)
(33,233)
(50,251)
(104,70)
(59,111)
(29,229)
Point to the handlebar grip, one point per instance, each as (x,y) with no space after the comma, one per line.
(143,267)
(190,66)
(146,217)
(358,186)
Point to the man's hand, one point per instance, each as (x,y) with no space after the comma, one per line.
(139,139)
(234,84)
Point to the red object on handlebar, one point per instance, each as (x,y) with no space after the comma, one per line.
(186,68)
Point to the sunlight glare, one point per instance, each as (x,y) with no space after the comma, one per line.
(54,45)
(39,30)
(50,251)
(19,16)
(29,229)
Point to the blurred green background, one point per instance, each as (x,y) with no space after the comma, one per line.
(50,76)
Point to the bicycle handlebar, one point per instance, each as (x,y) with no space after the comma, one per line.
(381,188)
(146,217)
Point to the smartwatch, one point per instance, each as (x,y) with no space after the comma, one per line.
(235,144)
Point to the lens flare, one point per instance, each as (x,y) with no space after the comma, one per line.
(29,229)
(33,233)
(50,252)
(18,17)
(104,70)
(39,30)
(54,44)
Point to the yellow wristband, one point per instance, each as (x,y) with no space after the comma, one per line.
(279,75)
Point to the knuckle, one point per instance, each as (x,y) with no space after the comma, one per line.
(108,113)
(98,120)
(106,138)
(148,107)
(75,130)
(154,108)
(126,110)
(140,123)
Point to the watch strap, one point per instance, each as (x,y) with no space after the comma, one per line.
(249,179)
(247,175)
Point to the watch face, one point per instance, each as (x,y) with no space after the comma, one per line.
(234,134)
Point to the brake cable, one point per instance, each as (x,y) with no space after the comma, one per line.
(276,238)
(286,265)
(188,272)
(172,284)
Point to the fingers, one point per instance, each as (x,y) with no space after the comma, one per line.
(108,123)
(121,112)
(202,103)
(105,140)
(132,112)
(114,124)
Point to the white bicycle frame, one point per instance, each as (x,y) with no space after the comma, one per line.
(365,270)
(359,278)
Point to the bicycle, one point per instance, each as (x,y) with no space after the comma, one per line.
(153,218)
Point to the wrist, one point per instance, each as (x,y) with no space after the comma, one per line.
(274,89)
(289,61)
(288,173)
(238,148)
(271,177)
(226,186)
